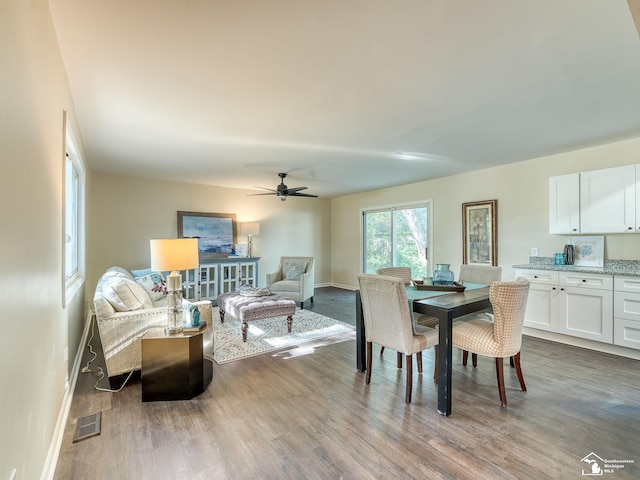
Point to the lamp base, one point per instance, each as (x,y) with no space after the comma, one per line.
(173,330)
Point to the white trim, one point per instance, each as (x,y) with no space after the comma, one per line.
(50,464)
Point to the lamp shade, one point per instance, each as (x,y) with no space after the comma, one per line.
(168,255)
(249,228)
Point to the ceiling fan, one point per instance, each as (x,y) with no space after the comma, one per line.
(283,191)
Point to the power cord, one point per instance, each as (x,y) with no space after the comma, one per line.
(99,371)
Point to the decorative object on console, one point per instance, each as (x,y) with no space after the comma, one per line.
(249,229)
(215,232)
(174,255)
(480,232)
(588,251)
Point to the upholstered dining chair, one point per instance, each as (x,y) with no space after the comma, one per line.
(404,273)
(387,322)
(501,338)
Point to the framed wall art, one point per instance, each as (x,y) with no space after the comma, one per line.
(216,232)
(588,251)
(480,232)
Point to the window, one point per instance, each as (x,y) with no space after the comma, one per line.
(74,189)
(397,237)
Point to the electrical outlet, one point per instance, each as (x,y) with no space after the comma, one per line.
(534,251)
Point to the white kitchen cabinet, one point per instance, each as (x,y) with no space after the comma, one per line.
(608,200)
(580,305)
(626,312)
(564,204)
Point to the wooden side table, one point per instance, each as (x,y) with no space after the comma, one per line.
(173,366)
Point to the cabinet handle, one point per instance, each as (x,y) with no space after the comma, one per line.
(630,228)
(562,289)
(575,229)
(583,280)
(535,276)
(553,288)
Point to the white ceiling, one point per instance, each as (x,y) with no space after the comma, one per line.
(344,95)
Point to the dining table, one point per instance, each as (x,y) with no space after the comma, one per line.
(445,306)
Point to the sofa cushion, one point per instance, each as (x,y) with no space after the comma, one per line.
(286,286)
(125,294)
(154,284)
(141,273)
(293,270)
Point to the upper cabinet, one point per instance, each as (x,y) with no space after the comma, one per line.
(608,200)
(598,201)
(564,204)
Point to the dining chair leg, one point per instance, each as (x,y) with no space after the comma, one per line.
(399,355)
(511,362)
(516,360)
(465,357)
(474,360)
(500,375)
(369,352)
(407,396)
(419,361)
(435,369)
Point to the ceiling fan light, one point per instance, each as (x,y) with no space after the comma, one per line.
(282,197)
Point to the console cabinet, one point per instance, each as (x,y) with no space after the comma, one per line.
(574,304)
(220,276)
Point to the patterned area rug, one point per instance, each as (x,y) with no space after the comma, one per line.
(270,334)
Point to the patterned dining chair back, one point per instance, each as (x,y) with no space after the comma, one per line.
(484,274)
(399,272)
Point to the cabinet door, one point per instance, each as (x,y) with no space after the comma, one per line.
(564,204)
(208,282)
(608,200)
(248,274)
(586,313)
(190,289)
(229,277)
(542,307)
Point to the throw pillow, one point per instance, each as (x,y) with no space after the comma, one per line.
(293,270)
(125,295)
(141,273)
(154,284)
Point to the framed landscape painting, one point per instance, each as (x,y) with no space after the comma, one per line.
(479,232)
(216,232)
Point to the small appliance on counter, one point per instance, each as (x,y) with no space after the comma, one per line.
(569,255)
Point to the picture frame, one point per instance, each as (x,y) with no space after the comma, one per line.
(480,233)
(588,251)
(216,232)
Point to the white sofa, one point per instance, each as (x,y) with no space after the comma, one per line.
(126,307)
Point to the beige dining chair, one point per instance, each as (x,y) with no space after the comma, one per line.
(387,322)
(404,273)
(501,338)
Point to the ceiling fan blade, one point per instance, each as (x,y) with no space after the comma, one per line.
(264,188)
(302,195)
(294,190)
(255,194)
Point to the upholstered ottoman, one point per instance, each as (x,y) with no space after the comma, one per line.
(246,308)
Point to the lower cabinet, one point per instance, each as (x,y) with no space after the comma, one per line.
(226,275)
(574,304)
(626,312)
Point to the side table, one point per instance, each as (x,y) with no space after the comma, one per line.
(173,366)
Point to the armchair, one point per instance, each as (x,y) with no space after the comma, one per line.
(293,279)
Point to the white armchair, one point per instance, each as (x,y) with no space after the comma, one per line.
(293,279)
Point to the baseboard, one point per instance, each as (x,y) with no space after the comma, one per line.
(583,343)
(339,285)
(49,469)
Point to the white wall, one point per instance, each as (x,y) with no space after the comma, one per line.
(523,205)
(126,212)
(35,327)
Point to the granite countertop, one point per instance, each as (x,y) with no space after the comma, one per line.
(611,267)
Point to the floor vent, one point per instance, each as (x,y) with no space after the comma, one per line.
(88,426)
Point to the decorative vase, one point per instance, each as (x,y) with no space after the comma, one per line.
(442,275)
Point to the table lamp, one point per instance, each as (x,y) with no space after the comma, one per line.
(173,255)
(249,229)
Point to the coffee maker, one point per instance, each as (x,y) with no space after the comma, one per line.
(569,255)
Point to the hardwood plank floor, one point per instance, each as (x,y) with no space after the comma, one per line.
(307,414)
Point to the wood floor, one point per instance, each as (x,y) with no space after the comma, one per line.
(307,414)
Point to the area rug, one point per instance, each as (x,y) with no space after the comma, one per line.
(270,334)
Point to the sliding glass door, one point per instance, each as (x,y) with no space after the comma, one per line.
(397,237)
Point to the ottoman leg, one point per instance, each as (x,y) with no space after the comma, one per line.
(221,316)
(245,327)
(289,322)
